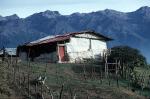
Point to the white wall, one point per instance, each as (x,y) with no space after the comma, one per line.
(78,48)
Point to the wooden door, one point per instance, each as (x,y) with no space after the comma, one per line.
(61,52)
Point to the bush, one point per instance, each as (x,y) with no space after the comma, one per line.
(129,56)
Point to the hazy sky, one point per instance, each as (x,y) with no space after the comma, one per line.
(25,8)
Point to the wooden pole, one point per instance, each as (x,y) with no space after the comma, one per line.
(61,91)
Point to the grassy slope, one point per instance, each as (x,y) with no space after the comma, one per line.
(144,72)
(58,75)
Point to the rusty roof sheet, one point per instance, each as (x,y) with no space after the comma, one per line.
(57,38)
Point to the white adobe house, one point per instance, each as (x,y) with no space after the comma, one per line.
(70,47)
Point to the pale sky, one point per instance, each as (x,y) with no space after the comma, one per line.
(24,8)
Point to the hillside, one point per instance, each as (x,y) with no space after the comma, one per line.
(130,28)
(18,81)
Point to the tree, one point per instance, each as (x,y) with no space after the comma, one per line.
(129,57)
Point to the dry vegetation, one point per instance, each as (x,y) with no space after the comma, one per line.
(61,81)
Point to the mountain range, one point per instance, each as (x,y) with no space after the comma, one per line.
(126,28)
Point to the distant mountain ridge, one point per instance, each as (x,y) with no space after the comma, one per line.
(132,28)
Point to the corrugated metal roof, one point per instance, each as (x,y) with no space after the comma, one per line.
(10,51)
(42,39)
(57,38)
(50,40)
